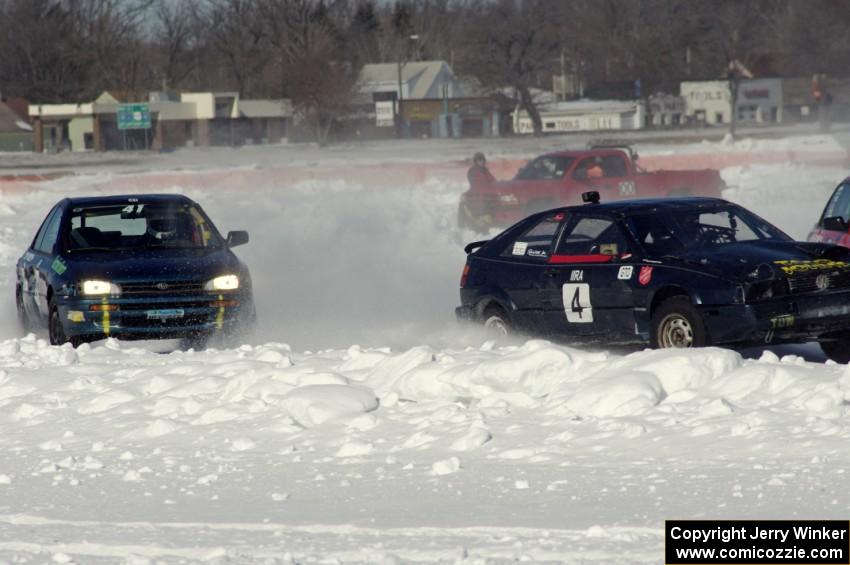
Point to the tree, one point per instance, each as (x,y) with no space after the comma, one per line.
(319,72)
(511,44)
(234,31)
(174,42)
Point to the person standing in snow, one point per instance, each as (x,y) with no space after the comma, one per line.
(478,174)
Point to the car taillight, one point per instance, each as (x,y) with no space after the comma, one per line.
(464,276)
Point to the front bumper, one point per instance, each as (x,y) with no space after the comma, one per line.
(160,317)
(793,318)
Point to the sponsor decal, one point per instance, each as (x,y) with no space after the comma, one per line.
(537,253)
(783,321)
(608,249)
(59,266)
(645,275)
(627,188)
(577,276)
(520,248)
(625,272)
(793,266)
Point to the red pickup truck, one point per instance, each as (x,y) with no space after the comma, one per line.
(559,179)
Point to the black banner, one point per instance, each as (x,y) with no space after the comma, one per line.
(757,542)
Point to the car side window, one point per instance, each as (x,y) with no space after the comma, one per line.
(49,232)
(606,166)
(593,236)
(548,167)
(613,166)
(839,204)
(536,242)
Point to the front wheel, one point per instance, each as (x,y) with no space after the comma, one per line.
(677,323)
(837,348)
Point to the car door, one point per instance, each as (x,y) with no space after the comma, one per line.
(587,285)
(520,266)
(45,264)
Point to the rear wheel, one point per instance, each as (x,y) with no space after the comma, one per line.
(837,348)
(496,321)
(677,323)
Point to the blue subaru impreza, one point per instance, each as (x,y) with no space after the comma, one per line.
(133,267)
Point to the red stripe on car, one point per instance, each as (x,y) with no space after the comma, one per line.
(557,259)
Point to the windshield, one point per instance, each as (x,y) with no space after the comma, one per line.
(674,233)
(139,226)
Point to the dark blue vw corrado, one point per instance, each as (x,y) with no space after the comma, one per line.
(681,272)
(133,267)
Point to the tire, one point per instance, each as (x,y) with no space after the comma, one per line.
(23,318)
(496,321)
(677,323)
(55,328)
(837,348)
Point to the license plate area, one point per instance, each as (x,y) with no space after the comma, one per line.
(165,314)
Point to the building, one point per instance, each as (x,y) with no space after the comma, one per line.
(584,115)
(15,130)
(173,120)
(666,110)
(709,102)
(421,99)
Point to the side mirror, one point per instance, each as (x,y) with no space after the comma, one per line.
(835,223)
(235,238)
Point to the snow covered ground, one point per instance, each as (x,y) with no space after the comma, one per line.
(364,426)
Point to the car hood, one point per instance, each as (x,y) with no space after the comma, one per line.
(155,264)
(739,261)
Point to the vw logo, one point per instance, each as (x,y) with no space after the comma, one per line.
(164,286)
(822,282)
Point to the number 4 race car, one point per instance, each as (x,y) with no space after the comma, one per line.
(684,272)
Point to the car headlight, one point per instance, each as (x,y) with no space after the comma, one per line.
(509,199)
(99,288)
(224,282)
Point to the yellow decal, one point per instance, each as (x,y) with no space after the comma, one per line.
(105,303)
(793,266)
(784,321)
(219,318)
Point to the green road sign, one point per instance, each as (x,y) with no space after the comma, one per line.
(134,116)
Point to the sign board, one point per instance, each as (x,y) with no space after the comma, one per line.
(134,116)
(384,113)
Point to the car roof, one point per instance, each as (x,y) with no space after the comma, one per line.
(129,198)
(647,205)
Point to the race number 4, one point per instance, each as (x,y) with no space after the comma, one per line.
(577,303)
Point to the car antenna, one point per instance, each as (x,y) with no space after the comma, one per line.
(590,197)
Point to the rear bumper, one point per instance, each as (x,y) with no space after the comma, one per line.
(787,319)
(155,318)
